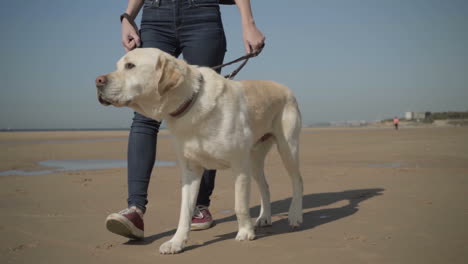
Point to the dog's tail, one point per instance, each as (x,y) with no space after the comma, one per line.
(290,129)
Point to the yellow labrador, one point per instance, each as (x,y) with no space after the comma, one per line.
(216,124)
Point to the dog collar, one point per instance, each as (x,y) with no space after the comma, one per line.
(188,104)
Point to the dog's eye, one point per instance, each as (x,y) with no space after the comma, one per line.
(129,65)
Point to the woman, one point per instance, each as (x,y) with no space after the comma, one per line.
(194,29)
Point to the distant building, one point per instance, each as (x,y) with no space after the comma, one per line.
(417,115)
(409,115)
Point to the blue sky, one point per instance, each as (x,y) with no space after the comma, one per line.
(344,59)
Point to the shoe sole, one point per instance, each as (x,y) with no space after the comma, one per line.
(204,226)
(122,228)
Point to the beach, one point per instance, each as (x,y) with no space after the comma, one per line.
(371,195)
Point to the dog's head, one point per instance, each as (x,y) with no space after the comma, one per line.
(144,77)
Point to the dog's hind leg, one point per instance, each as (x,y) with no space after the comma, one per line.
(287,138)
(259,153)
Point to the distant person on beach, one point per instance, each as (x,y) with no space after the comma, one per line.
(395,122)
(194,29)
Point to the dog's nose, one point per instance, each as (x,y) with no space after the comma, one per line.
(101,81)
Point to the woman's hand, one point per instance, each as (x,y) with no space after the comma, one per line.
(254,40)
(130,37)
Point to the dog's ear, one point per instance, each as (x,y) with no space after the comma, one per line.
(169,73)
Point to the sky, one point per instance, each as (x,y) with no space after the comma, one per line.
(343,59)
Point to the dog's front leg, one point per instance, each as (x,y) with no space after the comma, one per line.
(191,176)
(242,198)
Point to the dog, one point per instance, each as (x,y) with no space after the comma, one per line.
(216,123)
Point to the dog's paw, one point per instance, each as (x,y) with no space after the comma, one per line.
(295,212)
(295,219)
(245,234)
(171,247)
(263,221)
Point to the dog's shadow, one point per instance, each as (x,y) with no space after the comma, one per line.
(280,208)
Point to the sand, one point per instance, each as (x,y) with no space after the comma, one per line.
(371,196)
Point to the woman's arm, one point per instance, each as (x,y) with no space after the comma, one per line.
(130,37)
(253,38)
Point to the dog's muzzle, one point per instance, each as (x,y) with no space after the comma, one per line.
(102,101)
(101,82)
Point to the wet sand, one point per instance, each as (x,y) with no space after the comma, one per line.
(371,196)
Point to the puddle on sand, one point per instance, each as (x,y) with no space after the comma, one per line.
(386,165)
(62,141)
(74,165)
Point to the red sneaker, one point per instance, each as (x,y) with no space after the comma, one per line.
(201,218)
(127,223)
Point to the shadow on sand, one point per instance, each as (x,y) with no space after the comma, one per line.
(281,207)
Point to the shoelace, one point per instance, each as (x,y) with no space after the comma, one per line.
(130,210)
(127,210)
(198,212)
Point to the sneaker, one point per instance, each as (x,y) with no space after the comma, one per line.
(127,223)
(201,218)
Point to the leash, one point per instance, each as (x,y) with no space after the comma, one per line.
(244,58)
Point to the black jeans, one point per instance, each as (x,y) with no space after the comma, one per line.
(194,29)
